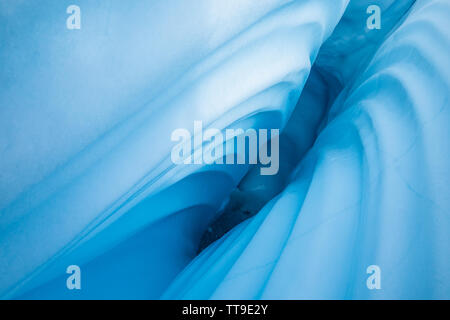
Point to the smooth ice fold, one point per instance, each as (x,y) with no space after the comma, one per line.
(373,190)
(86,176)
(91,185)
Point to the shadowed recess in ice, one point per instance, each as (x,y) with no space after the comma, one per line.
(373,190)
(86,176)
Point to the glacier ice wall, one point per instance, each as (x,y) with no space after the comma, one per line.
(373,190)
(86,176)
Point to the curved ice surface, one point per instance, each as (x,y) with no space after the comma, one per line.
(86,175)
(373,190)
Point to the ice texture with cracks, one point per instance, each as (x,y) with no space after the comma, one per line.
(86,176)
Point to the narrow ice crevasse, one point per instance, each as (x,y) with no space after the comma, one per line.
(87,179)
(97,191)
(372,190)
(340,60)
